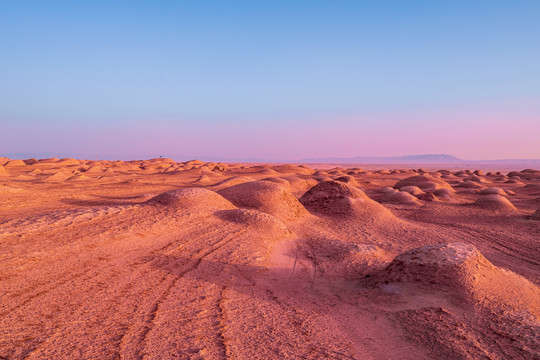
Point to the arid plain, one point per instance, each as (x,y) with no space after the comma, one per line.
(157,259)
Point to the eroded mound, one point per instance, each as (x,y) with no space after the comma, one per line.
(493,190)
(252,218)
(400,197)
(15,163)
(413,190)
(495,202)
(265,196)
(234,180)
(424,182)
(3,171)
(191,199)
(337,198)
(461,269)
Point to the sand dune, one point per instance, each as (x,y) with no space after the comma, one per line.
(154,259)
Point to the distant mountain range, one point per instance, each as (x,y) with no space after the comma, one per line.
(416,159)
(408,159)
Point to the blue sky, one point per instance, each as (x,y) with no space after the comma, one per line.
(136,76)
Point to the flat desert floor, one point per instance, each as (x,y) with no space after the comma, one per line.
(157,259)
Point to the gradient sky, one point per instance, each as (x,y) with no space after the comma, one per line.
(271,79)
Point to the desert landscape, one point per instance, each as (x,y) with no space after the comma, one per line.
(158,259)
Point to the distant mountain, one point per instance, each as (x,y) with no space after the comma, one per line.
(408,159)
(416,159)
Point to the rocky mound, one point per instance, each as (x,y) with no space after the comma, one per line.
(279,180)
(252,218)
(339,199)
(300,184)
(495,202)
(468,184)
(424,182)
(493,190)
(3,171)
(235,180)
(294,169)
(15,163)
(197,199)
(78,177)
(413,190)
(462,270)
(347,179)
(400,198)
(203,180)
(536,215)
(527,174)
(59,176)
(265,196)
(445,194)
(68,162)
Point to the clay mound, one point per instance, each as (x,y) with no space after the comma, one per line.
(468,184)
(94,169)
(235,180)
(493,190)
(300,184)
(194,163)
(30,161)
(203,180)
(495,202)
(288,168)
(198,199)
(23,177)
(3,171)
(400,197)
(424,182)
(252,218)
(59,176)
(450,178)
(268,172)
(428,196)
(3,160)
(462,269)
(388,189)
(536,215)
(34,172)
(48,160)
(446,194)
(413,190)
(343,260)
(527,174)
(514,181)
(279,180)
(15,163)
(347,179)
(265,196)
(476,179)
(320,179)
(68,162)
(335,198)
(78,177)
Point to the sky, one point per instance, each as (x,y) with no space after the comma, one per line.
(281,80)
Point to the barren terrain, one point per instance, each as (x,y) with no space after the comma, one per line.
(157,259)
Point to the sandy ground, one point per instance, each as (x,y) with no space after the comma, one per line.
(163,260)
